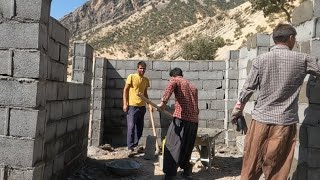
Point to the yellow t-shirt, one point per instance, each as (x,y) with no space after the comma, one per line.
(137,85)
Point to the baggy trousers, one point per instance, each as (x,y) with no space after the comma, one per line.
(135,122)
(180,141)
(269,150)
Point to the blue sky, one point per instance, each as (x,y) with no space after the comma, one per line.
(59,8)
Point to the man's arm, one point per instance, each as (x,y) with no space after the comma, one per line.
(167,94)
(248,89)
(125,97)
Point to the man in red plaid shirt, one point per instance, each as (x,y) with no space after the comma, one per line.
(182,131)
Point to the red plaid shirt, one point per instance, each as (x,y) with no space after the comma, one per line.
(186,98)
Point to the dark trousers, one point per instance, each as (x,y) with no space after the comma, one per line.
(135,122)
(187,139)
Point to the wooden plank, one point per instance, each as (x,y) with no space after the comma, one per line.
(154,105)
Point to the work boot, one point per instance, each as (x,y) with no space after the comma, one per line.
(187,173)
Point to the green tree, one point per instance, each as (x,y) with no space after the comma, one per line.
(272,6)
(202,48)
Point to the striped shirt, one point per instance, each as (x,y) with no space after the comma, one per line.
(278,75)
(186,98)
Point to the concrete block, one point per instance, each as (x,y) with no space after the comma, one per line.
(57,31)
(53,49)
(183,65)
(162,65)
(25,35)
(119,83)
(302,13)
(217,65)
(211,75)
(199,65)
(165,75)
(27,122)
(73,91)
(206,95)
(217,105)
(207,114)
(114,93)
(22,92)
(6,58)
(158,84)
(64,54)
(155,94)
(55,110)
(4,121)
(62,91)
(114,74)
(101,62)
(28,153)
(34,173)
(67,109)
(30,64)
(212,84)
(232,74)
(197,83)
(111,64)
(191,75)
(79,63)
(305,47)
(83,49)
(315,51)
(212,123)
(100,83)
(51,91)
(243,53)
(98,93)
(97,114)
(61,128)
(233,55)
(58,71)
(72,124)
(37,10)
(7,8)
(58,163)
(307,29)
(262,50)
(260,40)
(127,64)
(151,74)
(50,132)
(100,73)
(48,169)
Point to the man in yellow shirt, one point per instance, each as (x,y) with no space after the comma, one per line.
(134,106)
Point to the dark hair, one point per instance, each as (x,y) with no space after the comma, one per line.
(282,32)
(142,63)
(175,72)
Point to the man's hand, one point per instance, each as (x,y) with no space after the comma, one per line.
(161,105)
(125,108)
(237,111)
(150,107)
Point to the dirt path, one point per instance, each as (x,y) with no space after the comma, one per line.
(226,166)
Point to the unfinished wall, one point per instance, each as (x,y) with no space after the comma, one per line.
(43,119)
(208,76)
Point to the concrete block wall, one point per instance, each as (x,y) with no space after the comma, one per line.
(43,119)
(208,76)
(306,19)
(98,102)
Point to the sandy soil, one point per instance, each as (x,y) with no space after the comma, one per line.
(226,166)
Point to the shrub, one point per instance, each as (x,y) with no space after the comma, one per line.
(201,48)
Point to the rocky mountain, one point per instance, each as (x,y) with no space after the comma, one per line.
(158,29)
(95,12)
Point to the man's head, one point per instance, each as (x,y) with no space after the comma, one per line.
(284,34)
(176,72)
(141,68)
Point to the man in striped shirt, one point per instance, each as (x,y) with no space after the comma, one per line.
(182,131)
(278,74)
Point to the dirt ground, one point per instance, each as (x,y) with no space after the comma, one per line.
(226,165)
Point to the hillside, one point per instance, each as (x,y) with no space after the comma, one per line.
(157,29)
